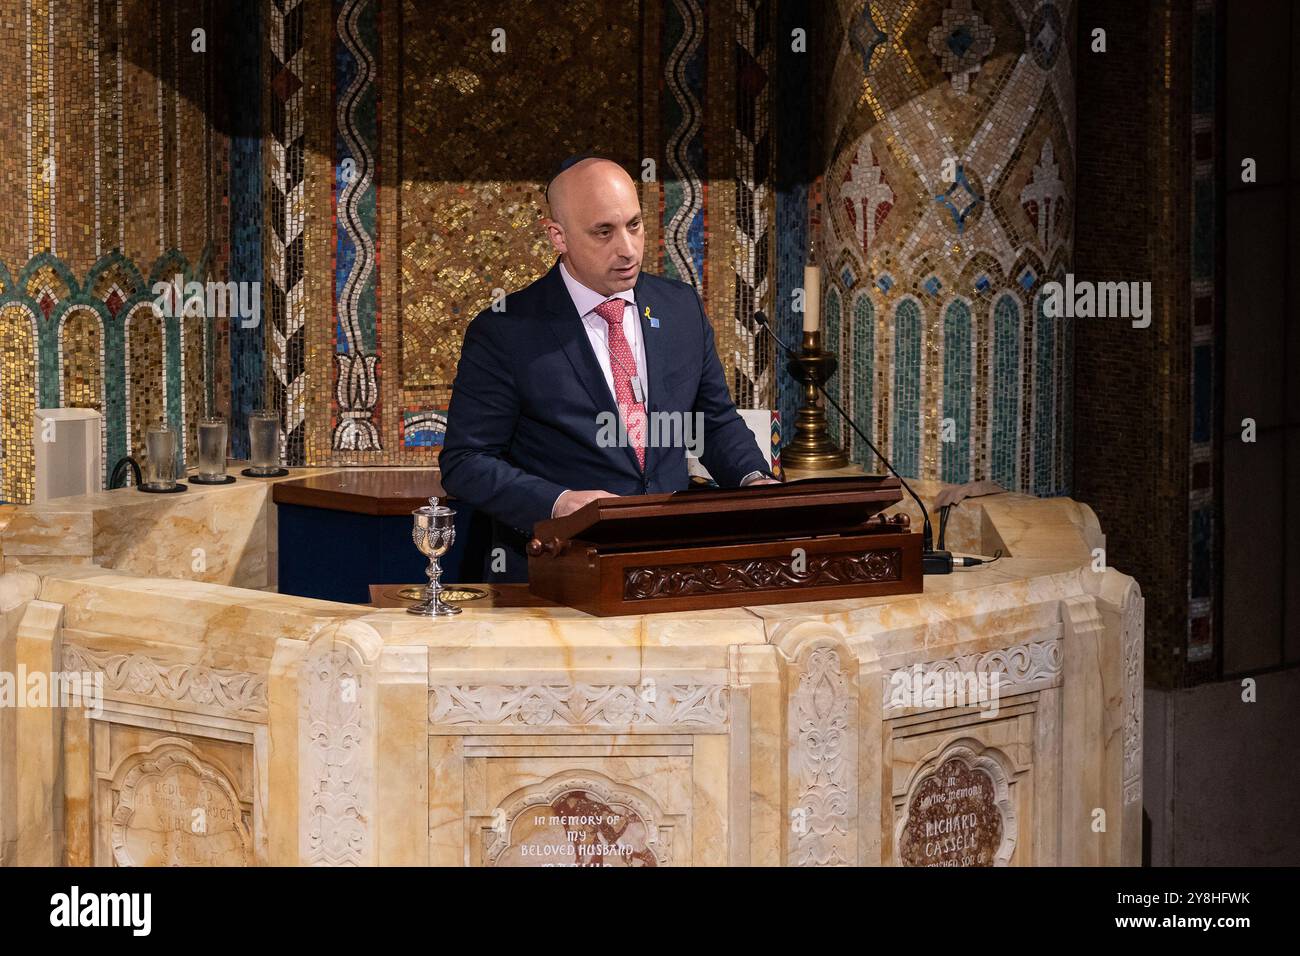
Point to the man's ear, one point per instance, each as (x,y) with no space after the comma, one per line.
(555,232)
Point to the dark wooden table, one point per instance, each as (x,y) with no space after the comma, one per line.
(340,532)
(371,491)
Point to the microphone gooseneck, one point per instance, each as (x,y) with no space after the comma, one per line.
(934,562)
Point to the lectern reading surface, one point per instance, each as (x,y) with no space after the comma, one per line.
(816,539)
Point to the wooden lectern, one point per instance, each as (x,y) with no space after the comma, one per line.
(816,539)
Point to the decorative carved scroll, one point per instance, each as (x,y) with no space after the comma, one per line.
(238,693)
(613,705)
(822,762)
(761,574)
(1016,666)
(336,815)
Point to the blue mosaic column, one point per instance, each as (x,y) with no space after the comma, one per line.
(907,387)
(863,374)
(831,324)
(1004,455)
(247,346)
(1044,401)
(955,454)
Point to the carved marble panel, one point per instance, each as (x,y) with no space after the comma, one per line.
(173,685)
(580,819)
(334,762)
(1131,638)
(823,757)
(174,802)
(959,813)
(649,704)
(1032,665)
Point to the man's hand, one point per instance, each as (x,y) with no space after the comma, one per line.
(763,481)
(571,501)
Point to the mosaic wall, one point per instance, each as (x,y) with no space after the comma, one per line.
(348,160)
(941,274)
(419,197)
(110,182)
(946,204)
(382,167)
(378,171)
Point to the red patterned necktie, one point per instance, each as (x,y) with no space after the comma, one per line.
(623,366)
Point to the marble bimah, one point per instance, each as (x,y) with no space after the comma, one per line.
(995,719)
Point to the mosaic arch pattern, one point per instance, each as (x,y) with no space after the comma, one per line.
(116,180)
(318,193)
(950,185)
(97,343)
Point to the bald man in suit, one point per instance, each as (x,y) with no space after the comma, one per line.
(593,342)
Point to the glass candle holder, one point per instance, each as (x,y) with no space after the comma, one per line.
(160,458)
(264,443)
(213,434)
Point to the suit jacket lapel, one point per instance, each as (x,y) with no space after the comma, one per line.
(657,352)
(569,331)
(657,356)
(571,334)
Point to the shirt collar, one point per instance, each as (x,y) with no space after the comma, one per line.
(584,299)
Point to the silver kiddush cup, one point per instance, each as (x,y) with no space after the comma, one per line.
(433,533)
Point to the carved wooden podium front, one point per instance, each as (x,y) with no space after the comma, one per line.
(816,539)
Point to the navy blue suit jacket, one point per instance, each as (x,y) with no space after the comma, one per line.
(522,424)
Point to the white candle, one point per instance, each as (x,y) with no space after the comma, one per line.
(812,298)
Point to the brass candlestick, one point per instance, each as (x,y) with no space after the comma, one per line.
(812,448)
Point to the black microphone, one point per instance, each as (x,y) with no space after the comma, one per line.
(932,561)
